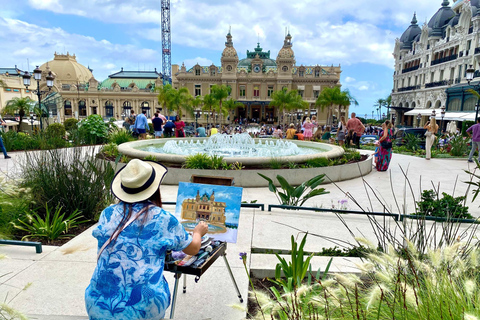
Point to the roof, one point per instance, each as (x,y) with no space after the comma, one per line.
(440,19)
(265,56)
(125,83)
(136,75)
(412,32)
(11,71)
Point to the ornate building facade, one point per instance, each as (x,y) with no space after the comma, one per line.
(431,62)
(254,79)
(204,207)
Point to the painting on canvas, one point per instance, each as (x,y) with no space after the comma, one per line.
(219,206)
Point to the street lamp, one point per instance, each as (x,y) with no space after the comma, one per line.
(383,115)
(33,117)
(37,75)
(470,74)
(443,115)
(197,115)
(419,117)
(366,116)
(394,115)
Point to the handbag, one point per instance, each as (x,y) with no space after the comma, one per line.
(386,145)
(428,134)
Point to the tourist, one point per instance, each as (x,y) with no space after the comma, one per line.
(291,131)
(358,128)
(474,133)
(131,119)
(341,129)
(201,131)
(141,125)
(179,125)
(278,133)
(212,131)
(169,129)
(430,136)
(315,124)
(3,124)
(327,134)
(157,126)
(299,135)
(308,129)
(385,151)
(134,236)
(349,138)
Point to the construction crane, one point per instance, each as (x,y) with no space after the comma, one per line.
(166,43)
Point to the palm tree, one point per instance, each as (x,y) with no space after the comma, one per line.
(178,99)
(231,105)
(286,100)
(20,106)
(209,104)
(220,93)
(379,104)
(163,96)
(334,96)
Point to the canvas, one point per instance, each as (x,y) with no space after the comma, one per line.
(219,206)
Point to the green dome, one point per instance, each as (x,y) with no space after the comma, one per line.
(265,56)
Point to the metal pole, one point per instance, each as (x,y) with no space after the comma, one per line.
(39,95)
(476,113)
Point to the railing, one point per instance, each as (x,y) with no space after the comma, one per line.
(409,88)
(438,83)
(410,69)
(444,59)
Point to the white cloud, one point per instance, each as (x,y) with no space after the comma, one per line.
(363,88)
(349,80)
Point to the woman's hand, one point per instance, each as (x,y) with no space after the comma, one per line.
(201,228)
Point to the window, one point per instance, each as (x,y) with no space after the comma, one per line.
(316,93)
(441,75)
(270,91)
(469,44)
(432,76)
(127,106)
(67,105)
(211,88)
(427,58)
(317,73)
(198,90)
(469,104)
(301,73)
(416,80)
(197,71)
(454,105)
(146,107)
(300,93)
(229,89)
(242,91)
(409,79)
(109,108)
(256,91)
(213,72)
(82,109)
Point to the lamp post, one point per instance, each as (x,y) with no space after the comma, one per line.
(37,75)
(197,115)
(470,74)
(366,116)
(33,117)
(443,115)
(419,117)
(383,116)
(394,115)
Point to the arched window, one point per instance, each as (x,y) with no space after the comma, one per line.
(67,106)
(454,105)
(109,109)
(82,108)
(146,107)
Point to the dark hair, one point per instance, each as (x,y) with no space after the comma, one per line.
(156,114)
(177,118)
(132,111)
(478,119)
(144,111)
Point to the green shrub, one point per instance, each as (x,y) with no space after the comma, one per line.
(198,161)
(412,142)
(318,162)
(150,158)
(14,202)
(446,207)
(275,163)
(70,124)
(55,130)
(458,146)
(94,130)
(72,178)
(465,126)
(110,150)
(150,128)
(216,162)
(119,136)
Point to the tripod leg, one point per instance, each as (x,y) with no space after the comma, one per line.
(233,279)
(175,291)
(184,283)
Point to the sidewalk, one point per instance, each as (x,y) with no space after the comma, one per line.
(57,278)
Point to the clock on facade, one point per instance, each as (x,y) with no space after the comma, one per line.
(256,68)
(229,68)
(285,68)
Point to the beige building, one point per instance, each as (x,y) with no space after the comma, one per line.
(204,207)
(254,79)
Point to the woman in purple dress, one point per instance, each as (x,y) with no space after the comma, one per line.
(385,149)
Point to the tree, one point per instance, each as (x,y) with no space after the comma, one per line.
(20,106)
(286,100)
(178,99)
(220,93)
(334,96)
(379,104)
(163,92)
(209,104)
(231,105)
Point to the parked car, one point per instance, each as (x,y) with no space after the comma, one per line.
(368,138)
(189,131)
(401,133)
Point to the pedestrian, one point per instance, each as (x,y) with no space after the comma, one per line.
(134,236)
(308,129)
(131,119)
(141,125)
(212,131)
(430,136)
(291,131)
(4,124)
(169,129)
(341,130)
(358,128)
(157,126)
(201,131)
(179,125)
(327,134)
(474,133)
(384,154)
(278,133)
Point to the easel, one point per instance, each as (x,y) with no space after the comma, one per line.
(179,270)
(219,251)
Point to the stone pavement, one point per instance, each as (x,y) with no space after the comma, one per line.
(51,285)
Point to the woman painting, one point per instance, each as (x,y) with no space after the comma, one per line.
(430,136)
(133,238)
(179,125)
(308,129)
(385,150)
(341,130)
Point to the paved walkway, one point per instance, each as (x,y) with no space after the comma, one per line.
(51,285)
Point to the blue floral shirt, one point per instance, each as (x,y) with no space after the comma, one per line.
(128,282)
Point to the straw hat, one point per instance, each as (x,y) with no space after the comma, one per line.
(138,180)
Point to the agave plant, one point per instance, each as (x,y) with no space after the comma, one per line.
(291,196)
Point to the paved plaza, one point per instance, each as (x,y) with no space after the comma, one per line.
(51,285)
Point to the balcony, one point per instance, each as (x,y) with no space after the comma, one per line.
(477,50)
(410,69)
(409,88)
(444,59)
(438,83)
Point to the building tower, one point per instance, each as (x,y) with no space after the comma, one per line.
(166,43)
(229,60)
(286,59)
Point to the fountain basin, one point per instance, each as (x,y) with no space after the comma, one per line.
(134,150)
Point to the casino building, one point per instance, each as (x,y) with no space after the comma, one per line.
(254,79)
(204,207)
(431,63)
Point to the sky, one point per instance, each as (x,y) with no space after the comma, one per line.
(107,35)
